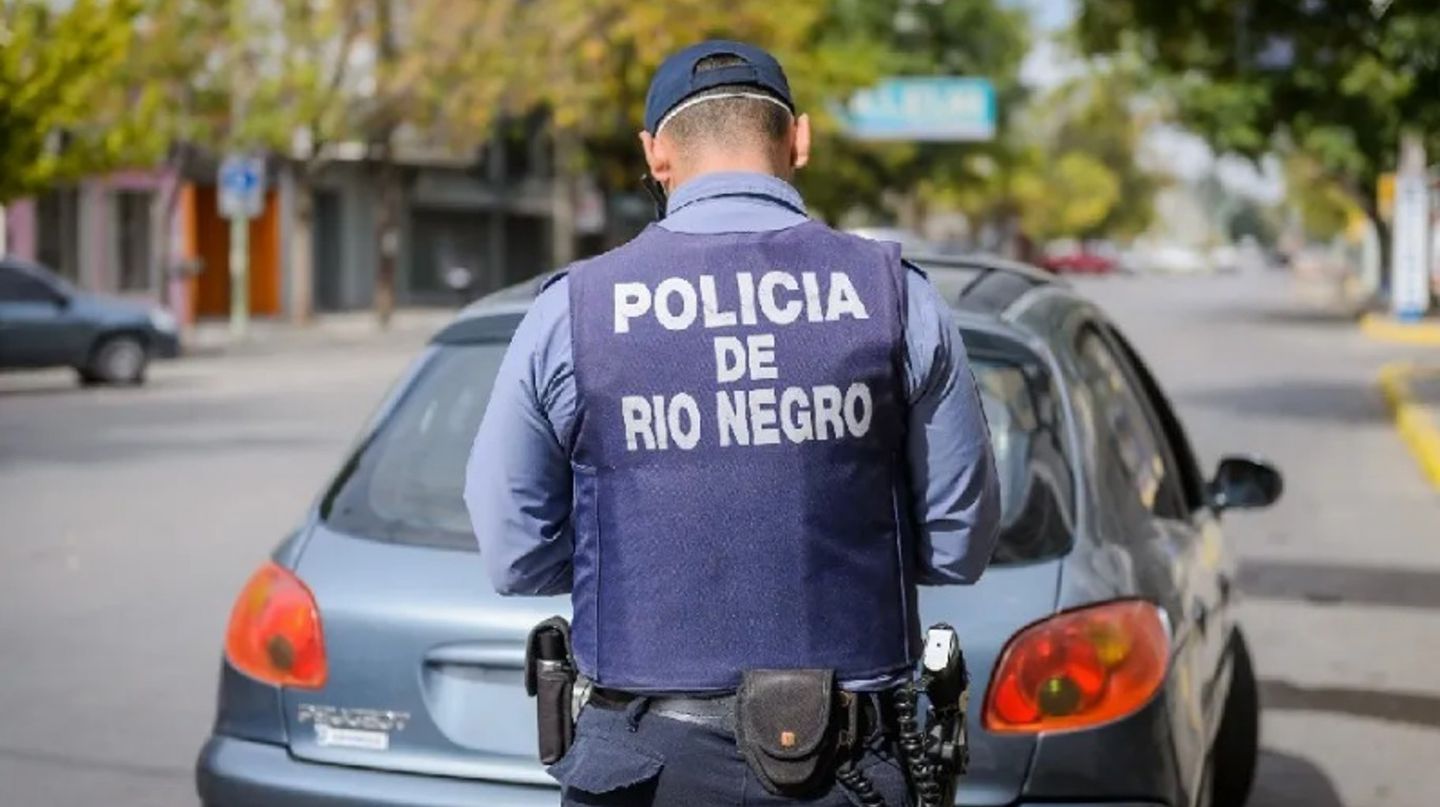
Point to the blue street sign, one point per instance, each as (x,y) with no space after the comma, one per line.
(242,186)
(943,108)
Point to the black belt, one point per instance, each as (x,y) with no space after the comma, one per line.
(877,709)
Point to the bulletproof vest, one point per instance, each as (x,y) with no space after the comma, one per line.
(739,459)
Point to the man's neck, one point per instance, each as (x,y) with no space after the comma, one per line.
(729,165)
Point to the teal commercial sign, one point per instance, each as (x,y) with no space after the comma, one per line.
(943,108)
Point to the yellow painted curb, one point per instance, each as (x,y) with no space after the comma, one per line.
(1388,329)
(1417,428)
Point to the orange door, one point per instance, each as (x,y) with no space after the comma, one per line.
(212,244)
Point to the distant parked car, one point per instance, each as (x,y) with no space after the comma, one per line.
(1078,263)
(46,322)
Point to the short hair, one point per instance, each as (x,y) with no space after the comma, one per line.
(751,121)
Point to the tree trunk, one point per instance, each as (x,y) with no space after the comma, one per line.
(382,142)
(387,230)
(165,257)
(302,248)
(562,201)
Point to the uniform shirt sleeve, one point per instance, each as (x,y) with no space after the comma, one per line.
(952,466)
(517,481)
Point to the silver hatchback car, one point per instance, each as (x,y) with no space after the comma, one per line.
(369,663)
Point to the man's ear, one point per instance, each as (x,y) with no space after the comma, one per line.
(800,153)
(657,157)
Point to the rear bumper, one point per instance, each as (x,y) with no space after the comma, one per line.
(240,773)
(236,773)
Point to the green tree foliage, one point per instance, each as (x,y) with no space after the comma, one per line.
(587,63)
(1103,116)
(62,114)
(863,40)
(1336,79)
(1070,167)
(1069,195)
(1325,208)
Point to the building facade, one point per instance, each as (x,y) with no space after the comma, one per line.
(493,218)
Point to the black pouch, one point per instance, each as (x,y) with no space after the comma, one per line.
(785,727)
(550,680)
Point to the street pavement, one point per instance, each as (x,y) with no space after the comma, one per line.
(130,517)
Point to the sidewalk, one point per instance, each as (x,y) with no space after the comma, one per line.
(273,336)
(1413,395)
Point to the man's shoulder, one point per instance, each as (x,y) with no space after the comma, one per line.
(890,250)
(609,257)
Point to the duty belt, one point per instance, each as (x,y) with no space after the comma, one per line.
(876,711)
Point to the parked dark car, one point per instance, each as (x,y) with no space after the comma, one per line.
(369,663)
(46,322)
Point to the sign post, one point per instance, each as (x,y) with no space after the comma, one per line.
(1410,264)
(242,198)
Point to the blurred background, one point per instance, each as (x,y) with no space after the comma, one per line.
(292,195)
(380,147)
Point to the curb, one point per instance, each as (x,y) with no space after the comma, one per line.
(1417,428)
(1388,329)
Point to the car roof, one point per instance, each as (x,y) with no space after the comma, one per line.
(982,284)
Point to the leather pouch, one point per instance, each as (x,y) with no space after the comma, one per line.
(550,680)
(785,727)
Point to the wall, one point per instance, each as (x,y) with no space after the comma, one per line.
(20,223)
(212,241)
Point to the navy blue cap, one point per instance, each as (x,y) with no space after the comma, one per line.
(677,80)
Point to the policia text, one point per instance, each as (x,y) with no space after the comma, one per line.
(744,417)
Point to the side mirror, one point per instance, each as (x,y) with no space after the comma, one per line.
(1245,482)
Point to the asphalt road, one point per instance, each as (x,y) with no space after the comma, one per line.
(129,518)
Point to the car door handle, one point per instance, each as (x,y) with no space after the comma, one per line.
(492,655)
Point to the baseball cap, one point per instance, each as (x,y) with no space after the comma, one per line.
(676,79)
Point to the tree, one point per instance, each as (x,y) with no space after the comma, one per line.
(1103,115)
(306,111)
(1336,79)
(587,64)
(61,113)
(1070,167)
(860,41)
(292,79)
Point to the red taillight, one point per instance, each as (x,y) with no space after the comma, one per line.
(274,633)
(1079,669)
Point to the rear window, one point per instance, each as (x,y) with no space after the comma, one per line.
(404,483)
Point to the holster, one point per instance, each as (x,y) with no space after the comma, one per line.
(792,726)
(550,679)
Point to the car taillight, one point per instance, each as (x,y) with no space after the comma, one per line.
(274,633)
(1079,669)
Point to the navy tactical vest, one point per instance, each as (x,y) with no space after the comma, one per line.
(739,459)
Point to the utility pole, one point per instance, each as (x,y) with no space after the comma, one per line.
(233,182)
(1410,257)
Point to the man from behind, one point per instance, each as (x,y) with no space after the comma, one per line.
(739,442)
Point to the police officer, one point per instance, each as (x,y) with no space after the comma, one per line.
(739,442)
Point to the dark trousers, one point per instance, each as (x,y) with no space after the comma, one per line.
(635,759)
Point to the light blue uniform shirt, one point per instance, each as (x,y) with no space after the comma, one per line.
(518,486)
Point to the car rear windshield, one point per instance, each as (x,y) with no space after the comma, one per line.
(404,483)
